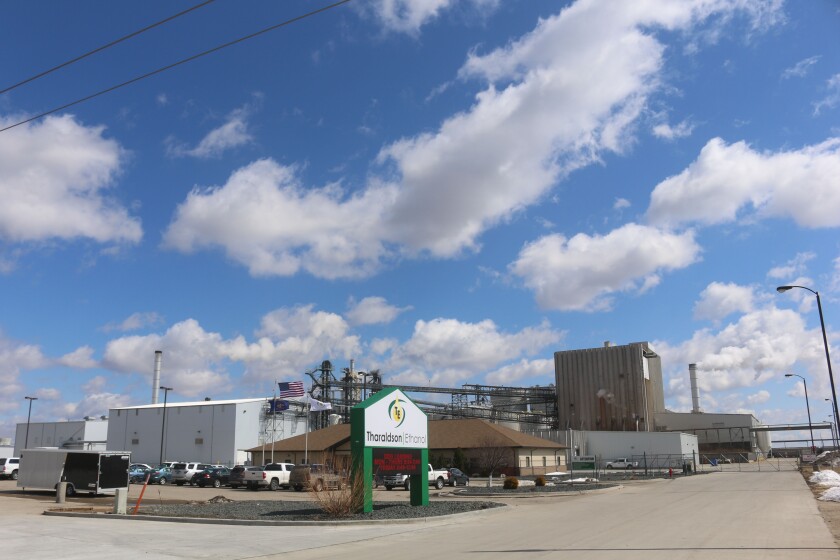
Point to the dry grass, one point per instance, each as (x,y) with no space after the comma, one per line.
(341,502)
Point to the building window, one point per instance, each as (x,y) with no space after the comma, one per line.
(527,461)
(135,441)
(545,463)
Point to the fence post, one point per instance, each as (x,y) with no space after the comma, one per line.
(644,458)
(694,459)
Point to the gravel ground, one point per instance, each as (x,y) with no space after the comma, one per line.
(309,511)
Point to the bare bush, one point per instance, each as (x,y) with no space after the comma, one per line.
(343,501)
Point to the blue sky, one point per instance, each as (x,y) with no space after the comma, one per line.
(447,191)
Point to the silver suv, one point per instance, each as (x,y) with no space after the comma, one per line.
(182,473)
(9,467)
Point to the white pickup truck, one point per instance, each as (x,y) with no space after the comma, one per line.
(622,463)
(272,476)
(438,479)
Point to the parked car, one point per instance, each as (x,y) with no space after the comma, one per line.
(315,477)
(272,476)
(458,478)
(182,473)
(214,477)
(137,474)
(236,476)
(163,475)
(9,467)
(135,466)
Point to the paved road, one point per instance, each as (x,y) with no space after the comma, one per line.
(756,515)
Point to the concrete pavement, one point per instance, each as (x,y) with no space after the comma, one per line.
(747,515)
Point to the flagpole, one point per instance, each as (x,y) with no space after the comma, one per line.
(306,438)
(273,421)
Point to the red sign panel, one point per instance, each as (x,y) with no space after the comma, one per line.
(396,461)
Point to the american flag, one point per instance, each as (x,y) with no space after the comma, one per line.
(290,389)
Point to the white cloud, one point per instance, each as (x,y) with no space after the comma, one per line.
(55,176)
(288,342)
(760,397)
(380,346)
(734,182)
(373,310)
(800,69)
(668,132)
(792,267)
(266,220)
(621,203)
(762,345)
(81,358)
(447,351)
(135,321)
(408,16)
(832,96)
(522,372)
(234,132)
(719,300)
(580,273)
(555,99)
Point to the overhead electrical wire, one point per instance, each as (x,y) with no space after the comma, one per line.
(179,63)
(103,47)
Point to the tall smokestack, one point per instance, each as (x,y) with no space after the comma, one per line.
(695,392)
(156,378)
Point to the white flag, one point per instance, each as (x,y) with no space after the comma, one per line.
(316,406)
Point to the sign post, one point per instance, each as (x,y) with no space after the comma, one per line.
(389,435)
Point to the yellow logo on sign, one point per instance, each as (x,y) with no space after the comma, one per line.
(396,412)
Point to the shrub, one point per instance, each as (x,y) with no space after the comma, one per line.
(341,502)
(511,483)
(539,481)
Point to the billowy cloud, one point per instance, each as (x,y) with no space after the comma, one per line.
(372,311)
(553,100)
(720,300)
(55,183)
(445,352)
(583,272)
(733,182)
(523,372)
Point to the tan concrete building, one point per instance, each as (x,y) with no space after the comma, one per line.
(612,388)
(522,454)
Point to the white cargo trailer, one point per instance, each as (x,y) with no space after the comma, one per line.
(84,471)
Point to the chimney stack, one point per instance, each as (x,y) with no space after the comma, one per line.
(695,392)
(156,378)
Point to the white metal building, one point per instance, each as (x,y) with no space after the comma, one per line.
(658,448)
(215,432)
(90,433)
(718,432)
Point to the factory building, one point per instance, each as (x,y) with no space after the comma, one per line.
(612,388)
(718,433)
(90,433)
(216,432)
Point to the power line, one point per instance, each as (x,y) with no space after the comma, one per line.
(103,47)
(180,62)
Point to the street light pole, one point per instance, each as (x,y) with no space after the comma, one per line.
(163,422)
(782,289)
(808,407)
(28,417)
